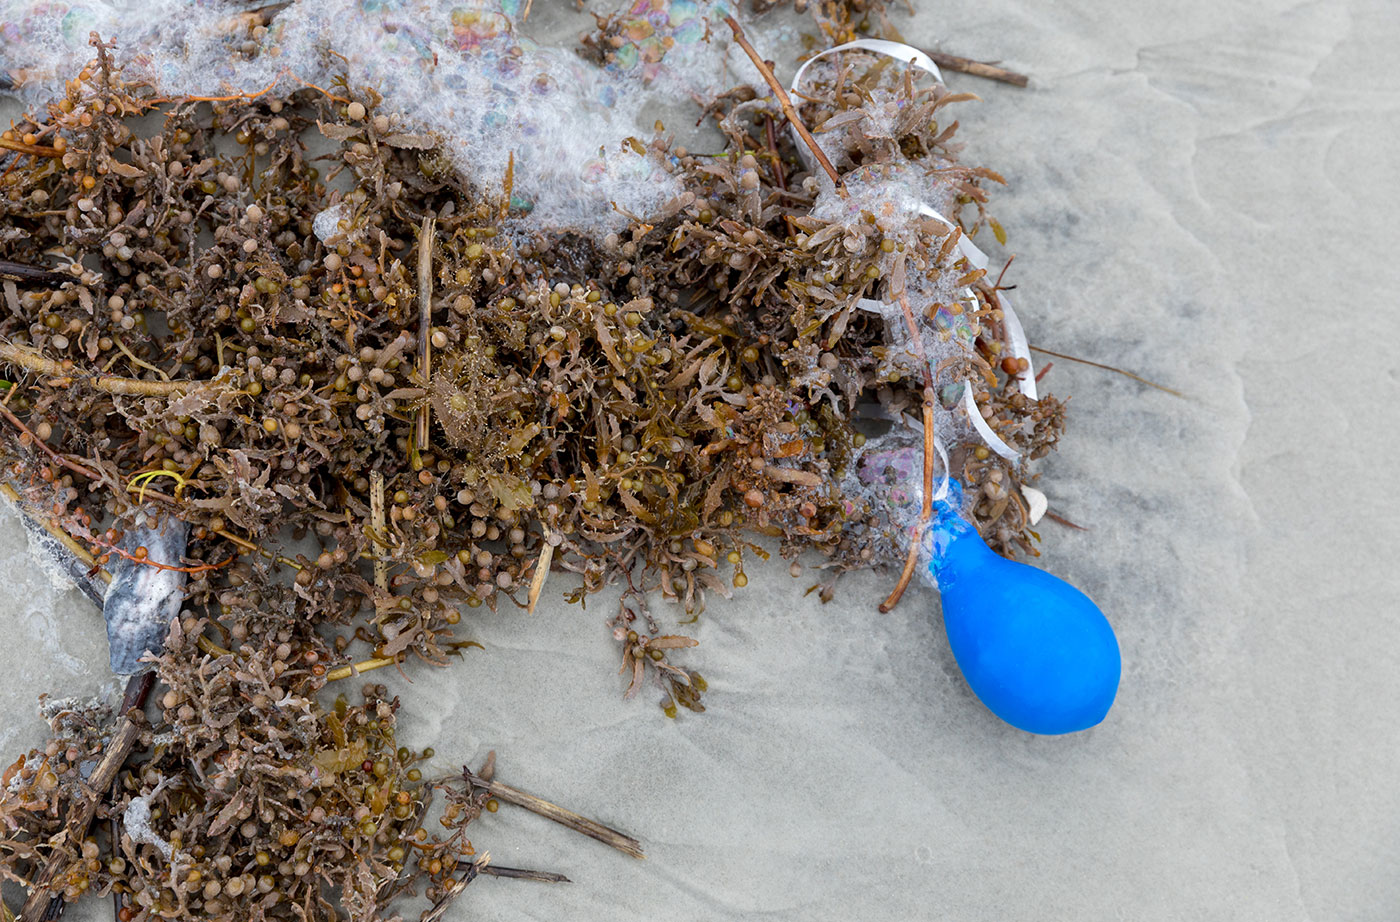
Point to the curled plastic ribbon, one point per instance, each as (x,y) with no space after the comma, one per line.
(1015,334)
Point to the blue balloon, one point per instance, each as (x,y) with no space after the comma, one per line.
(1035,649)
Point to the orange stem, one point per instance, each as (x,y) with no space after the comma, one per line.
(788,110)
(36,150)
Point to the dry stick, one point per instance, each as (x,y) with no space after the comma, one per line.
(1126,374)
(73,466)
(35,150)
(779,179)
(548,877)
(33,275)
(483,865)
(425,321)
(978,68)
(454,891)
(591,828)
(789,112)
(345,672)
(135,696)
(376,521)
(252,548)
(1063,521)
(98,784)
(926,513)
(112,384)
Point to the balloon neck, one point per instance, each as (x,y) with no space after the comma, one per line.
(953,541)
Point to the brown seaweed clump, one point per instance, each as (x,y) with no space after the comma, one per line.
(382,398)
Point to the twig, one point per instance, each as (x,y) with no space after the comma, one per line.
(345,672)
(34,150)
(978,68)
(137,690)
(454,891)
(145,561)
(425,323)
(376,522)
(1064,521)
(73,466)
(140,363)
(591,828)
(1126,374)
(32,361)
(789,112)
(779,179)
(19,272)
(252,548)
(926,513)
(238,97)
(99,783)
(548,877)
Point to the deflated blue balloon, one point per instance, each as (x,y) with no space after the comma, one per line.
(1035,649)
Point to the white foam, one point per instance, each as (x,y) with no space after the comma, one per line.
(137,823)
(462,70)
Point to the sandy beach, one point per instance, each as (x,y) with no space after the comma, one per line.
(1199,192)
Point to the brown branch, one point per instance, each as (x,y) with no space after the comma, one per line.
(978,68)
(548,877)
(454,891)
(98,784)
(591,828)
(789,112)
(425,323)
(35,150)
(1063,521)
(926,513)
(112,384)
(779,179)
(73,466)
(135,696)
(19,272)
(1126,374)
(147,562)
(377,523)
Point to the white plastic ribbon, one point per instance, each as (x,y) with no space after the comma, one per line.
(942,490)
(1015,334)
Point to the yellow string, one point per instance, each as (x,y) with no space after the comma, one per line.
(147,476)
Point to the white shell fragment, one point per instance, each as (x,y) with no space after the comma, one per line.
(1036,503)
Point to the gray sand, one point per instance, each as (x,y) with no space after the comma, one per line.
(1200,190)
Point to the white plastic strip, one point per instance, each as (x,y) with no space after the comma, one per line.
(993,440)
(1017,344)
(942,490)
